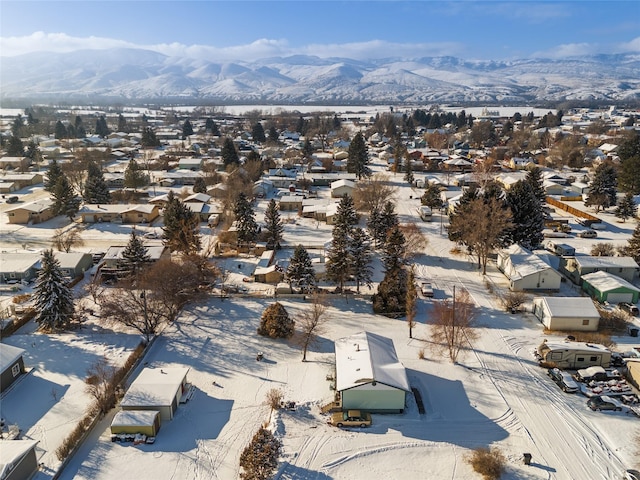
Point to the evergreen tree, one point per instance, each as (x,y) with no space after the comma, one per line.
(307,148)
(80,131)
(602,191)
(431,196)
(180,231)
(257,133)
(346,216)
(135,254)
(15,148)
(17,126)
(246,225)
(273,225)
(527,216)
(394,250)
(53,174)
(33,152)
(134,176)
(60,131)
(275,322)
(358,159)
(300,271)
(534,178)
(187,129)
(95,188)
(629,178)
(633,247)
(408,172)
(627,207)
(122,124)
(211,127)
(374,225)
(53,299)
(149,138)
(338,265)
(455,230)
(65,201)
(273,135)
(629,147)
(229,153)
(388,220)
(260,459)
(199,185)
(360,258)
(102,129)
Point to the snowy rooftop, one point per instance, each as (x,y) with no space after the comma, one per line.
(366,357)
(605,281)
(571,306)
(595,347)
(523,265)
(8,355)
(133,418)
(590,262)
(11,452)
(155,387)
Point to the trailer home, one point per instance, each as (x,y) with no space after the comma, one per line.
(574,355)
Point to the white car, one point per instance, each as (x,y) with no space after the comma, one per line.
(151,235)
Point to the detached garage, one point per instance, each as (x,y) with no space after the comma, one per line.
(11,365)
(607,287)
(146,422)
(18,459)
(369,375)
(567,313)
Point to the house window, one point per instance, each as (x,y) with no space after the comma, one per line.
(585,321)
(593,359)
(15,370)
(580,359)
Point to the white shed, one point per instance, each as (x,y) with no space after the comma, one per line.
(567,313)
(158,389)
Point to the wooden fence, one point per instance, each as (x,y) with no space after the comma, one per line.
(571,210)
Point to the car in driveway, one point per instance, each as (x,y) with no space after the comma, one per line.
(588,234)
(351,418)
(603,402)
(630,308)
(427,289)
(564,380)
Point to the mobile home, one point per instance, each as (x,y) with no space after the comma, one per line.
(574,355)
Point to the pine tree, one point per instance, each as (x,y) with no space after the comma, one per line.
(307,148)
(246,225)
(180,231)
(199,185)
(211,127)
(527,216)
(102,129)
(53,174)
(65,201)
(60,131)
(534,178)
(300,271)
(134,176)
(135,254)
(273,225)
(602,190)
(358,159)
(360,258)
(273,135)
(346,216)
(149,138)
(15,147)
(187,129)
(627,207)
(374,225)
(122,124)
(53,299)
(33,152)
(257,133)
(431,196)
(629,180)
(408,172)
(394,250)
(95,188)
(338,265)
(391,297)
(633,247)
(229,153)
(388,220)
(260,459)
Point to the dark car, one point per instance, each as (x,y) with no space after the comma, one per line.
(602,402)
(564,380)
(12,199)
(630,308)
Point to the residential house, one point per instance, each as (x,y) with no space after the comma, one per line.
(607,287)
(14,163)
(527,271)
(369,375)
(113,257)
(18,460)
(190,163)
(25,266)
(22,180)
(219,190)
(576,267)
(342,187)
(34,212)
(125,213)
(290,203)
(11,365)
(567,313)
(198,198)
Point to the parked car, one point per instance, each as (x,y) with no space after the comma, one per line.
(427,289)
(564,380)
(603,402)
(630,308)
(351,418)
(151,235)
(12,199)
(588,234)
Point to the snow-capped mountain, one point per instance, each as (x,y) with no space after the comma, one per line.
(131,74)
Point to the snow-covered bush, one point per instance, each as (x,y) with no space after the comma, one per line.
(260,458)
(488,462)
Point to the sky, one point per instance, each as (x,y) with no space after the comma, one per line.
(249,30)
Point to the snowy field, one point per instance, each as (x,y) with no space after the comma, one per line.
(495,396)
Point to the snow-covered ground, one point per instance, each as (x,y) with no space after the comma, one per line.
(495,396)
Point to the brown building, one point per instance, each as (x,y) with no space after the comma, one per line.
(33,212)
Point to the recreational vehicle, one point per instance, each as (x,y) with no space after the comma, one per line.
(425,213)
(574,355)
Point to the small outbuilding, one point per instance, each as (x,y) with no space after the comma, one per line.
(369,375)
(157,389)
(607,287)
(342,187)
(567,313)
(18,460)
(11,365)
(145,422)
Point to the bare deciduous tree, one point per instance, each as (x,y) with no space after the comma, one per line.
(372,193)
(311,324)
(64,241)
(415,240)
(453,324)
(603,249)
(100,384)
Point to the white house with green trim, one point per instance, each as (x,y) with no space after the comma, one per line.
(369,375)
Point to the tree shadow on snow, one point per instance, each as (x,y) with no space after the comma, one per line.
(294,472)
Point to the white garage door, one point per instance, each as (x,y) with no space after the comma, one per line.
(614,298)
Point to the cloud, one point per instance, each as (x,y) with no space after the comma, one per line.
(261,48)
(631,46)
(577,49)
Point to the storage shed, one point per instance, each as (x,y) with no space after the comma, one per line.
(369,375)
(11,365)
(567,313)
(157,389)
(607,287)
(146,422)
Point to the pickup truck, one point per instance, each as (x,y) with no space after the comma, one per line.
(427,289)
